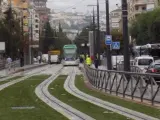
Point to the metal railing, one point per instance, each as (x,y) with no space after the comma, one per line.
(120,67)
(135,85)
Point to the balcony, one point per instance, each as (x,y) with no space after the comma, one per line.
(139,2)
(24,5)
(25,21)
(25,28)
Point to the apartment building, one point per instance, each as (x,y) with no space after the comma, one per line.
(43,12)
(115,17)
(157,3)
(136,7)
(34,27)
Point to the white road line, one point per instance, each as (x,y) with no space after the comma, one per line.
(70,87)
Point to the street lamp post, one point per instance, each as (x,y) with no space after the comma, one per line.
(125,36)
(97,41)
(108,51)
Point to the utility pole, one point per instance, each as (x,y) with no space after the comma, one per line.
(125,36)
(10,30)
(98,32)
(22,34)
(108,51)
(94,36)
(30,45)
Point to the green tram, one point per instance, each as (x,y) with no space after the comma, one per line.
(70,55)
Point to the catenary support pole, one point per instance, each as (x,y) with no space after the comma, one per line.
(125,36)
(94,36)
(98,32)
(108,50)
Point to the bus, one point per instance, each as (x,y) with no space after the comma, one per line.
(148,49)
(70,56)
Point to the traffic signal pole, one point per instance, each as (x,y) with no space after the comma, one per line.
(108,51)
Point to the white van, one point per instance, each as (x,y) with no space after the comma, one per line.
(54,59)
(143,61)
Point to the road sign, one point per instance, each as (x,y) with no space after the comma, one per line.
(116,45)
(108,39)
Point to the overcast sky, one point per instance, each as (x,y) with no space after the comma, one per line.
(80,5)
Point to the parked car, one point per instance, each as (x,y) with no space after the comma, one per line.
(154,68)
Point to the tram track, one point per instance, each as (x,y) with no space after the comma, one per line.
(66,110)
(71,88)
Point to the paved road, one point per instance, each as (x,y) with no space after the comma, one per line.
(70,87)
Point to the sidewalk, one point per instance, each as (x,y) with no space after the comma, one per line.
(6,72)
(101,67)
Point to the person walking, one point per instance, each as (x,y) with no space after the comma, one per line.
(9,62)
(96,62)
(88,60)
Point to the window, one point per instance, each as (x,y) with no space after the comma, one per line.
(36,26)
(145,61)
(36,15)
(36,21)
(144,8)
(136,7)
(37,31)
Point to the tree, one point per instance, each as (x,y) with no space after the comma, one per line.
(145,28)
(82,38)
(53,39)
(61,39)
(10,33)
(48,39)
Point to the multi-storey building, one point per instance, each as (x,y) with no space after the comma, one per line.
(115,17)
(136,7)
(157,3)
(43,11)
(34,27)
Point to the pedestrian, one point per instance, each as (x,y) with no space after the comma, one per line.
(96,62)
(88,60)
(9,62)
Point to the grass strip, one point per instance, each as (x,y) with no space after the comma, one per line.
(10,79)
(56,89)
(23,95)
(151,111)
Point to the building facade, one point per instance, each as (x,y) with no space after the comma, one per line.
(157,3)
(136,7)
(43,12)
(115,17)
(34,25)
